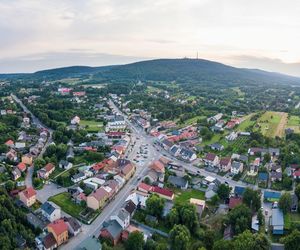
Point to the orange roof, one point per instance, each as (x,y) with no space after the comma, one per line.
(145,186)
(158,166)
(99,194)
(58,226)
(21,166)
(9,142)
(102,164)
(126,170)
(29,192)
(49,167)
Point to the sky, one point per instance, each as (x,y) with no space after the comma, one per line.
(41,34)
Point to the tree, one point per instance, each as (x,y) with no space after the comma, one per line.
(240,218)
(287,182)
(155,205)
(223,245)
(135,241)
(179,237)
(260,218)
(249,241)
(208,239)
(223,191)
(188,216)
(297,191)
(9,185)
(173,217)
(285,202)
(252,199)
(150,245)
(291,242)
(267,158)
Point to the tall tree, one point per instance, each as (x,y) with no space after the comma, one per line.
(155,205)
(285,202)
(223,191)
(135,241)
(179,238)
(291,242)
(252,198)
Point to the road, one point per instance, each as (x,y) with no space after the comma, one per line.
(39,124)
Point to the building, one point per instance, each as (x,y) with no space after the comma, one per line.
(217,146)
(143,187)
(27,159)
(178,182)
(75,120)
(211,160)
(65,164)
(22,167)
(90,243)
(116,124)
(123,218)
(51,211)
(59,229)
(78,177)
(234,201)
(236,167)
(164,193)
(28,196)
(277,221)
(225,164)
(199,204)
(112,231)
(16,173)
(128,171)
(97,198)
(45,172)
(158,166)
(74,228)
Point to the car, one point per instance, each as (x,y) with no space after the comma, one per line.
(226,183)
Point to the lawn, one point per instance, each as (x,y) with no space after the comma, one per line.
(290,218)
(92,126)
(246,123)
(272,124)
(66,204)
(294,123)
(183,196)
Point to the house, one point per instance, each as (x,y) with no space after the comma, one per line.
(187,154)
(138,198)
(78,177)
(27,159)
(45,172)
(163,192)
(236,167)
(255,224)
(255,151)
(22,167)
(65,164)
(199,204)
(97,198)
(128,171)
(36,221)
(263,177)
(51,211)
(49,242)
(211,191)
(75,120)
(217,146)
(59,229)
(130,207)
(175,150)
(211,160)
(225,164)
(277,221)
(10,143)
(253,168)
(123,218)
(158,166)
(16,174)
(166,144)
(178,182)
(143,187)
(239,191)
(117,123)
(74,228)
(112,231)
(28,196)
(20,145)
(12,155)
(296,174)
(234,201)
(215,118)
(276,176)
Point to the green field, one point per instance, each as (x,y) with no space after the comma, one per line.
(290,218)
(183,196)
(245,124)
(92,126)
(294,123)
(272,124)
(66,204)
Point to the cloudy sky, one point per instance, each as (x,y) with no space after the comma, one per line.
(39,34)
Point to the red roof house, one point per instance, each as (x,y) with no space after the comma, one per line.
(9,143)
(163,192)
(234,201)
(22,166)
(145,187)
(158,166)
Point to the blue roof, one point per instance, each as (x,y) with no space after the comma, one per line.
(271,195)
(263,176)
(175,132)
(239,190)
(48,208)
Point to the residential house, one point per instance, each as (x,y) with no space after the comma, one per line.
(10,143)
(65,164)
(51,211)
(27,159)
(253,168)
(123,218)
(296,174)
(28,196)
(22,167)
(59,229)
(175,150)
(234,201)
(74,227)
(211,160)
(16,174)
(225,164)
(78,177)
(97,198)
(277,221)
(130,207)
(217,146)
(75,120)
(187,155)
(143,187)
(12,155)
(215,118)
(128,171)
(199,204)
(45,172)
(48,242)
(158,166)
(178,182)
(20,145)
(275,176)
(112,231)
(211,191)
(164,193)
(236,167)
(138,198)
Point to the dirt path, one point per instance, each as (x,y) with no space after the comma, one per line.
(281,126)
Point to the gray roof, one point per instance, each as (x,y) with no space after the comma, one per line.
(216,145)
(48,208)
(174,149)
(123,214)
(177,181)
(79,175)
(277,218)
(114,228)
(73,223)
(186,152)
(236,165)
(91,243)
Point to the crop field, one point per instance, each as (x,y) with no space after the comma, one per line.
(294,123)
(272,124)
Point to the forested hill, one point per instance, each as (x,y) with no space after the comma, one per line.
(193,71)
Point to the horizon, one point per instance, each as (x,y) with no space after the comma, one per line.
(45,35)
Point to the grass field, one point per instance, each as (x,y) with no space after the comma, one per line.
(183,196)
(272,124)
(246,123)
(67,205)
(290,218)
(92,126)
(294,123)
